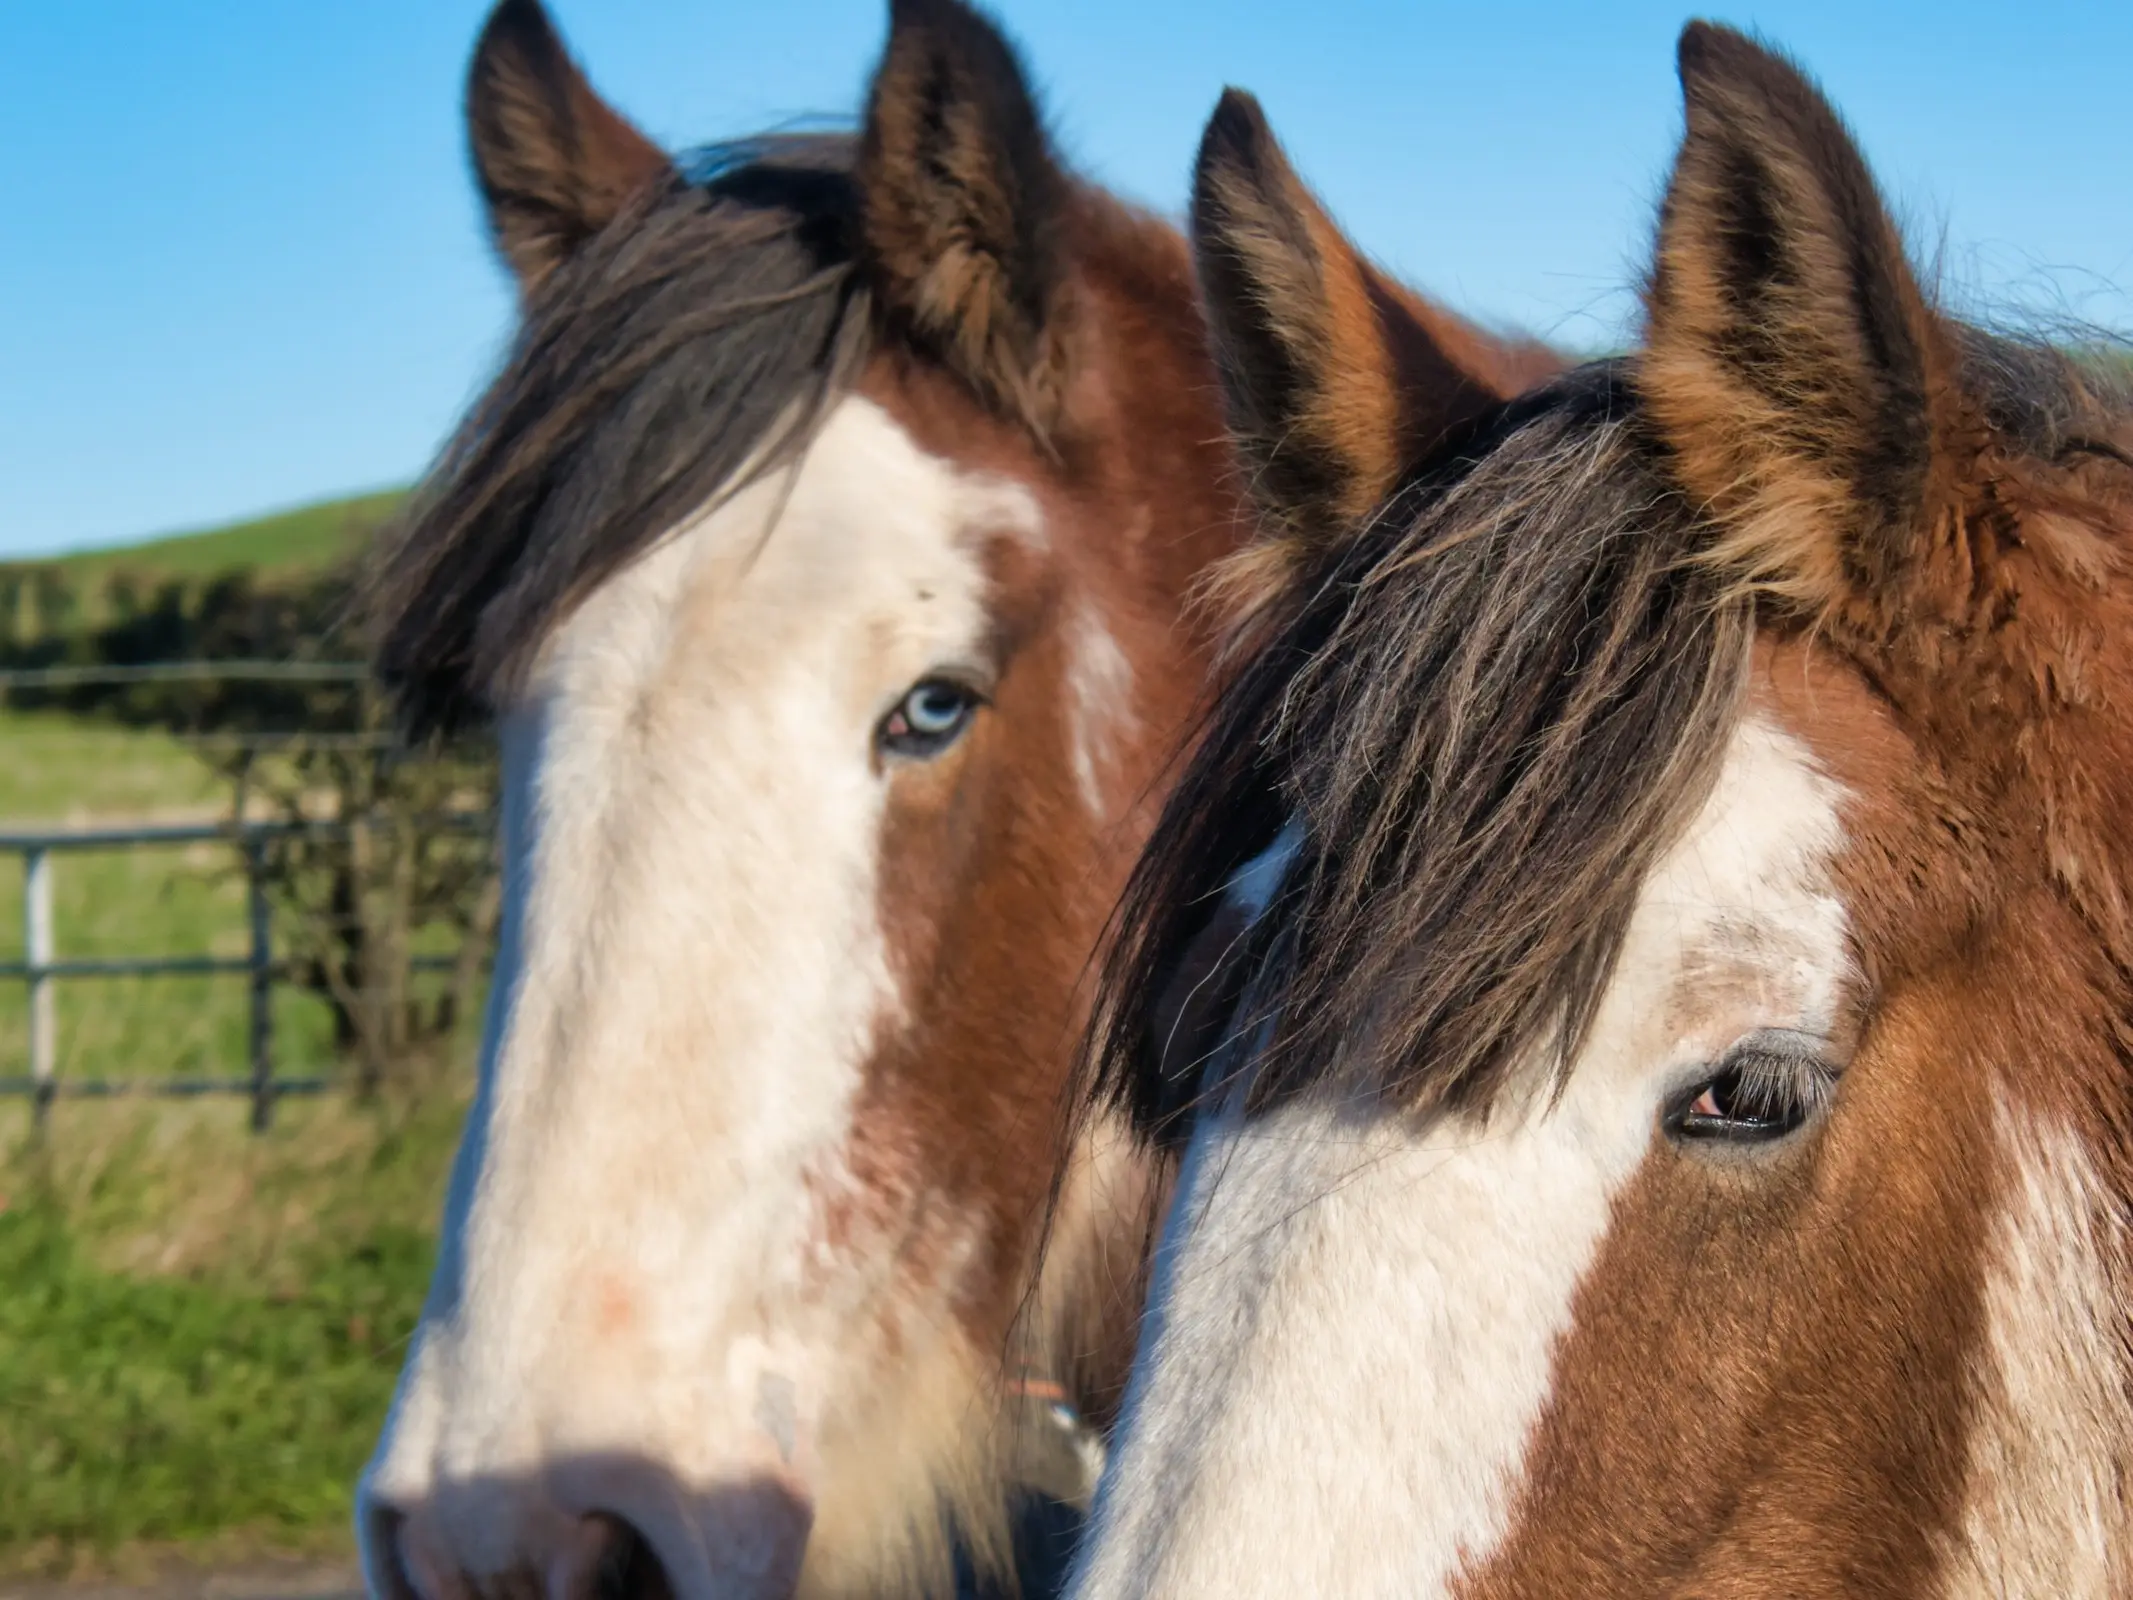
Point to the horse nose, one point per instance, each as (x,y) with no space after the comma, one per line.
(636,1539)
(584,1558)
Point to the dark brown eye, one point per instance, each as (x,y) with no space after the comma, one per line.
(932,715)
(1767,1086)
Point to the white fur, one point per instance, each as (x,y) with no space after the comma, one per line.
(1353,1319)
(2047,1509)
(656,1248)
(1100,688)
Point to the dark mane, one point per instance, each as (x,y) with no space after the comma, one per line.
(703,333)
(2050,397)
(1492,711)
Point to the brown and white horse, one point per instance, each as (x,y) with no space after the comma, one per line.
(1675,1132)
(825,548)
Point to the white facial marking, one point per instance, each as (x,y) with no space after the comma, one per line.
(1100,684)
(1351,1328)
(656,1246)
(2048,1452)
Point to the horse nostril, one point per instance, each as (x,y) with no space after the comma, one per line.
(384,1568)
(629,1568)
(571,1538)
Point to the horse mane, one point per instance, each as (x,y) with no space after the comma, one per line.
(684,352)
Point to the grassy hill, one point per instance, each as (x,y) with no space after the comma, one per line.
(287,543)
(52,606)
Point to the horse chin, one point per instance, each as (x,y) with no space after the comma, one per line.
(906,1484)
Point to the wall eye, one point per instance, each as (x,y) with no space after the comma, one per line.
(932,715)
(1769,1085)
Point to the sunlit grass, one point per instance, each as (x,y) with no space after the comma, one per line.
(199,1329)
(60,769)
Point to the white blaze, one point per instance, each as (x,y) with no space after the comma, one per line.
(655,1248)
(2054,1430)
(1350,1335)
(1100,695)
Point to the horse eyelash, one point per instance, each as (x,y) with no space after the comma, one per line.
(1777,1081)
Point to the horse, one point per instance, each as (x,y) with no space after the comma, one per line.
(1666,869)
(825,551)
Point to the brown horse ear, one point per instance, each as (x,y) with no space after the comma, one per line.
(1336,379)
(554,161)
(1793,362)
(962,204)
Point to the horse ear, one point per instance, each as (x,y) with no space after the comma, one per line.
(554,161)
(1335,379)
(1793,363)
(962,204)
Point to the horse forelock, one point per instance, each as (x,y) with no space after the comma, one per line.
(1491,642)
(691,347)
(688,346)
(1510,678)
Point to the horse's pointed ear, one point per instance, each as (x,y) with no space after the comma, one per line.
(962,204)
(555,162)
(1793,363)
(1335,379)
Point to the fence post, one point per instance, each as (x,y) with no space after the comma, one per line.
(262,981)
(37,958)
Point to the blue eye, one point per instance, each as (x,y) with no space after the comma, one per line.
(929,718)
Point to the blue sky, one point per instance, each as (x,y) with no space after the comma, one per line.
(241,267)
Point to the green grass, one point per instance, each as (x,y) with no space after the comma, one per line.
(54,767)
(286,544)
(199,1331)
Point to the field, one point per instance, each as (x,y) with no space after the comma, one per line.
(55,768)
(199,1329)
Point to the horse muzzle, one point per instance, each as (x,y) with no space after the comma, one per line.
(585,1528)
